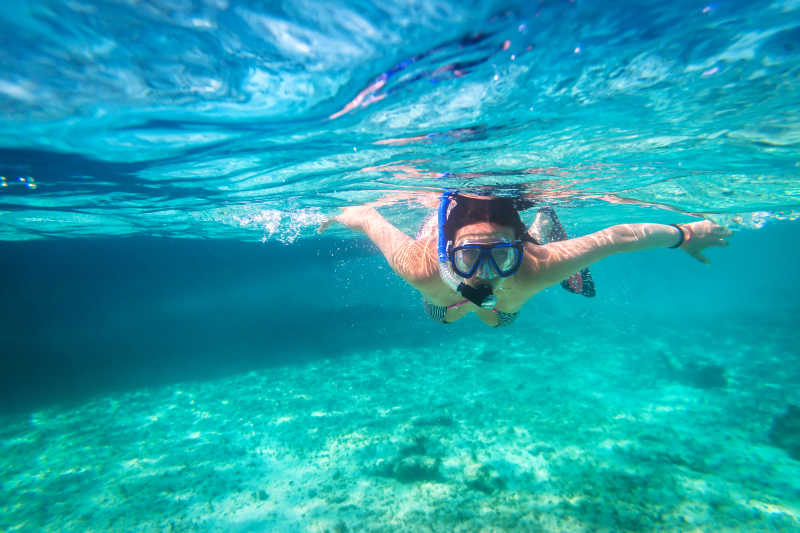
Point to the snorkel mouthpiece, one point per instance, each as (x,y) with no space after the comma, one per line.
(480,295)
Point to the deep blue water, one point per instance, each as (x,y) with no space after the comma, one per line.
(92,315)
(166,301)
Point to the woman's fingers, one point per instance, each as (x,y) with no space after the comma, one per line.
(700,257)
(325,225)
(720,233)
(710,234)
(706,234)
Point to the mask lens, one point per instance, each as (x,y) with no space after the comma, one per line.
(505,258)
(465,258)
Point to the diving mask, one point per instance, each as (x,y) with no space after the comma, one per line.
(488,260)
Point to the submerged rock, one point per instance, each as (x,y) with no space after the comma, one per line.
(785,432)
(413,462)
(490,356)
(486,479)
(698,374)
(434,420)
(419,447)
(705,376)
(416,468)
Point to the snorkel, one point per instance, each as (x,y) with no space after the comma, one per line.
(482,295)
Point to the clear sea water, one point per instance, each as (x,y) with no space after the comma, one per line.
(181,351)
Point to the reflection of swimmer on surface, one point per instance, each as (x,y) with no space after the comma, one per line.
(474,254)
(454,135)
(378,89)
(566,185)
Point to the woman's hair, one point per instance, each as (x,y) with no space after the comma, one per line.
(497,210)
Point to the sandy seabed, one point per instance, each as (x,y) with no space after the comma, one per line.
(570,430)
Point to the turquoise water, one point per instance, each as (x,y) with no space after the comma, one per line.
(183,352)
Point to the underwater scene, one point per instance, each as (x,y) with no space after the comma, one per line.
(195,337)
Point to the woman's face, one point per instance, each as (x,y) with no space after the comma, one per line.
(483,233)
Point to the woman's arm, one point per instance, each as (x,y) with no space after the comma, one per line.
(409,258)
(549,264)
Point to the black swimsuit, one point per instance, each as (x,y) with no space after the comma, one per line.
(437,313)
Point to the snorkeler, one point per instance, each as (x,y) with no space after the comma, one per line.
(476,255)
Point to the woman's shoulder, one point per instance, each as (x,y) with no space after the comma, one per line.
(416,263)
(530,278)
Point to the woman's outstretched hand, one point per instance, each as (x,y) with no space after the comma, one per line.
(353,217)
(704,234)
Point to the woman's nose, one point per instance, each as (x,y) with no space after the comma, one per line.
(485,271)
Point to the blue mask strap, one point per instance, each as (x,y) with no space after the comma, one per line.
(444,203)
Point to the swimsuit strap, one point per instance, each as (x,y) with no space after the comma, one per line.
(437,312)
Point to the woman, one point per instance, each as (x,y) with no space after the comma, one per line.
(477,256)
